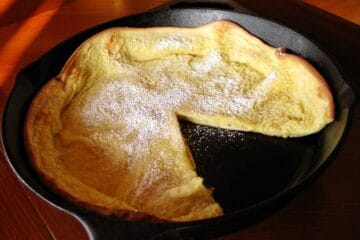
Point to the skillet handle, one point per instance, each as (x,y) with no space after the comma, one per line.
(231,5)
(104,228)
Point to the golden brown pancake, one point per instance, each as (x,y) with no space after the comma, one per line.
(105,132)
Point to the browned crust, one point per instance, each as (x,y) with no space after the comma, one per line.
(32,113)
(324,88)
(324,91)
(49,182)
(219,24)
(222,25)
(121,214)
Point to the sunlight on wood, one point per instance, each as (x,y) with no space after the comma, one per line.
(24,36)
(347,9)
(116,8)
(5,5)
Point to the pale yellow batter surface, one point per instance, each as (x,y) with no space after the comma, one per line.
(105,132)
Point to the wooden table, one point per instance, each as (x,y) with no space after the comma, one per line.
(328,209)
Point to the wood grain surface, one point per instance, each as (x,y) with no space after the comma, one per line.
(328,209)
(347,9)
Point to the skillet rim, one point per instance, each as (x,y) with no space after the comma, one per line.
(258,206)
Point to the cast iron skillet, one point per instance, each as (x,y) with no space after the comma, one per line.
(252,174)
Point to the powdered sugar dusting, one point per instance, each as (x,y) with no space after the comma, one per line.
(227,99)
(205,65)
(173,43)
(142,112)
(200,137)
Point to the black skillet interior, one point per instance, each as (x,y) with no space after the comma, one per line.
(250,172)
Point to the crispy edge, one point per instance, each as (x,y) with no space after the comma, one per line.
(220,25)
